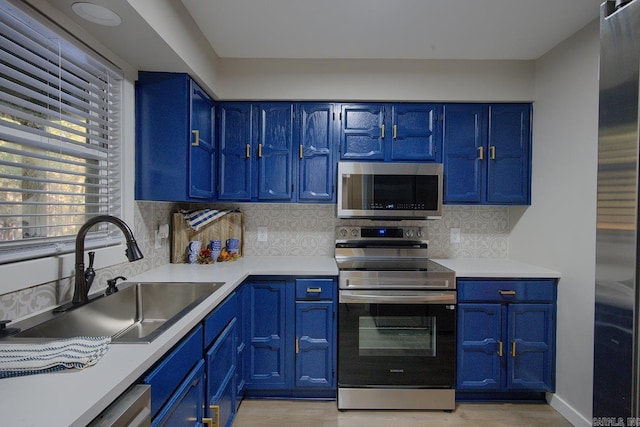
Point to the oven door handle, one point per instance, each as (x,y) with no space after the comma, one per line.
(374,297)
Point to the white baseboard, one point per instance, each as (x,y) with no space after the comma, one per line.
(567,411)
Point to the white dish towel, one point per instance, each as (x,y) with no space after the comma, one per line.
(27,359)
(199,218)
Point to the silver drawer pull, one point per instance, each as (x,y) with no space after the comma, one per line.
(314,290)
(507,292)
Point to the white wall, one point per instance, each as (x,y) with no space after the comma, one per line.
(558,230)
(376,80)
(176,27)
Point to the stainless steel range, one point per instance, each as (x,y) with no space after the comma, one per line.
(397,321)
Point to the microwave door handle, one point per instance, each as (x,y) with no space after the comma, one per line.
(426,297)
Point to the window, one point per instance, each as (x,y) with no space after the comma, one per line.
(59,138)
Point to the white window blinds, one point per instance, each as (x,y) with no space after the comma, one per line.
(59,137)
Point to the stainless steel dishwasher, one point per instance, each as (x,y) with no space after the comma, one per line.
(132,409)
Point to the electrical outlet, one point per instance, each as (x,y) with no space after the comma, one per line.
(157,241)
(262,234)
(454,235)
(163,231)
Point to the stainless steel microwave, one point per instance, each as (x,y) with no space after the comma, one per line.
(389,190)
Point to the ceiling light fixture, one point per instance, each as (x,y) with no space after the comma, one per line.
(97,14)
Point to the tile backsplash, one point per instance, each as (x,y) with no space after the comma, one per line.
(292,229)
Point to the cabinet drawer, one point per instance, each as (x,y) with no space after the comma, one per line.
(541,290)
(167,376)
(215,322)
(313,289)
(220,360)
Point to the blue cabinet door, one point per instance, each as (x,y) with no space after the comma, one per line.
(316,170)
(464,147)
(509,164)
(166,377)
(267,343)
(362,132)
(479,347)
(273,137)
(220,373)
(531,338)
(170,165)
(202,152)
(487,153)
(186,405)
(414,132)
(241,346)
(314,344)
(234,123)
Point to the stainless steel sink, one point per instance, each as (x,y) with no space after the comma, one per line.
(138,313)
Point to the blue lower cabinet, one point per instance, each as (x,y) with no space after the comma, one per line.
(290,338)
(185,406)
(221,376)
(314,344)
(241,345)
(532,340)
(506,339)
(480,347)
(170,373)
(267,342)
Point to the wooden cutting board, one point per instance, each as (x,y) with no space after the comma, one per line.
(229,226)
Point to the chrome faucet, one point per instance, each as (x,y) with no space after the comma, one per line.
(81,288)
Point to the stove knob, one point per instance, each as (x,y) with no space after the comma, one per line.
(409,234)
(342,232)
(354,232)
(419,234)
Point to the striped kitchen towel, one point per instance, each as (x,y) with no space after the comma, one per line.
(17,359)
(199,218)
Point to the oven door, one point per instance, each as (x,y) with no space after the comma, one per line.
(397,339)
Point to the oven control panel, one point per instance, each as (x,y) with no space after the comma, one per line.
(378,233)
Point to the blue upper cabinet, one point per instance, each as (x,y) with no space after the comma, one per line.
(509,164)
(175,139)
(234,142)
(390,132)
(256,144)
(273,137)
(316,152)
(465,129)
(202,152)
(363,132)
(487,153)
(414,132)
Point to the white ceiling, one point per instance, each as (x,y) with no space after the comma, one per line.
(389,29)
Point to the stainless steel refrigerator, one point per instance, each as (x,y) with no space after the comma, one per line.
(615,384)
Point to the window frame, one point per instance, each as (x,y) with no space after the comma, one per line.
(28,273)
(72,155)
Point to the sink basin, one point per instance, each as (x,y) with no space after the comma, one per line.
(138,313)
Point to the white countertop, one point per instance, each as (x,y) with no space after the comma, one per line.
(497,269)
(74,398)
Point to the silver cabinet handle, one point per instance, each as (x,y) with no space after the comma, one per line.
(397,298)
